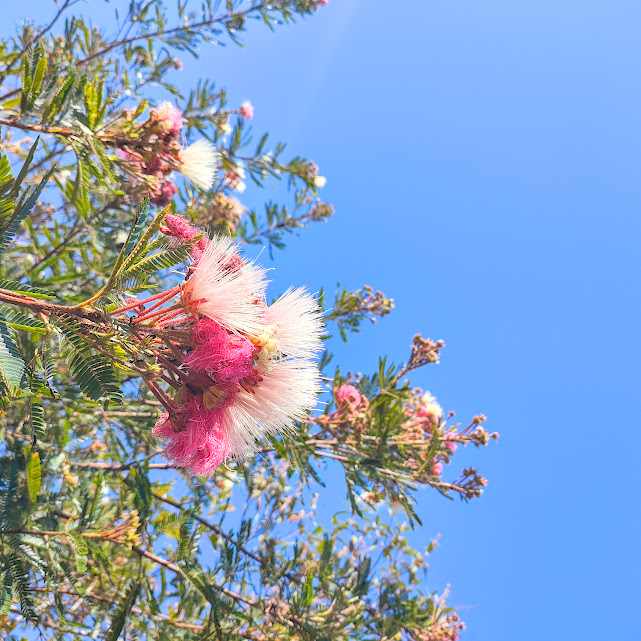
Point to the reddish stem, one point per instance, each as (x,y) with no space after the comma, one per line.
(159,393)
(169,365)
(166,321)
(147,316)
(164,295)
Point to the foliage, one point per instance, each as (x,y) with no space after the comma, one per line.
(100,536)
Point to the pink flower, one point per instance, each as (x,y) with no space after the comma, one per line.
(222,356)
(227,289)
(437,469)
(164,196)
(449,443)
(245,371)
(183,230)
(195,435)
(169,117)
(348,395)
(243,400)
(247,110)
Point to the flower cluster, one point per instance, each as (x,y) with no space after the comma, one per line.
(223,214)
(431,441)
(241,370)
(415,446)
(153,151)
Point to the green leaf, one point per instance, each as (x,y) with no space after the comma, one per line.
(6,177)
(94,374)
(308,591)
(37,420)
(37,79)
(21,586)
(122,612)
(57,103)
(163,259)
(139,225)
(5,601)
(22,288)
(16,319)
(23,208)
(81,550)
(12,367)
(33,476)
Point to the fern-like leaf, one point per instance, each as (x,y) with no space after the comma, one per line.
(94,375)
(12,367)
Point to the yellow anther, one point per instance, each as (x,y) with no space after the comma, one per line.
(212,397)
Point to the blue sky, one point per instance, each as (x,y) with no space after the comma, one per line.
(483,159)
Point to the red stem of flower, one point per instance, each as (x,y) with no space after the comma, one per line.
(159,393)
(169,365)
(162,301)
(147,316)
(164,295)
(166,321)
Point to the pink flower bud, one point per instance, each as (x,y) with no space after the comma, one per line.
(247,110)
(167,192)
(348,395)
(449,443)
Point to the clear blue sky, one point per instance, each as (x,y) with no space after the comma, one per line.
(483,159)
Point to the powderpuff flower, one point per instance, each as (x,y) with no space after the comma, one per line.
(348,395)
(201,437)
(195,436)
(169,117)
(320,181)
(286,393)
(297,322)
(247,110)
(248,370)
(437,469)
(225,358)
(244,399)
(286,379)
(227,289)
(430,408)
(198,163)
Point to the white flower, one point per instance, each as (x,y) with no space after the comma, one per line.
(320,181)
(227,289)
(431,406)
(298,323)
(287,392)
(198,163)
(289,381)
